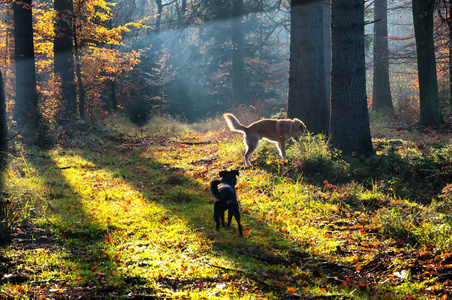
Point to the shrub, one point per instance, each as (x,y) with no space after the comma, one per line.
(401,224)
(313,156)
(407,112)
(444,203)
(139,111)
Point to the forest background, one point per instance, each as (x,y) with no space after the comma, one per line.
(147,57)
(69,64)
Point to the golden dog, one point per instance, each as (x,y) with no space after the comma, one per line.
(273,130)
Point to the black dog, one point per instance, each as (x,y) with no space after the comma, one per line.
(226,198)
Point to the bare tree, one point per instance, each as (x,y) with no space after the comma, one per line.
(237,52)
(26,111)
(428,83)
(64,52)
(3,151)
(307,85)
(381,97)
(349,122)
(3,125)
(444,12)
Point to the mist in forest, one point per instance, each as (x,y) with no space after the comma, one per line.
(176,57)
(189,68)
(196,61)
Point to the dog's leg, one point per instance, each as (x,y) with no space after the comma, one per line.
(282,149)
(217,215)
(251,146)
(222,218)
(234,211)
(240,227)
(230,212)
(218,224)
(237,218)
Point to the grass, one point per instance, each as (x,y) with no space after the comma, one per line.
(120,211)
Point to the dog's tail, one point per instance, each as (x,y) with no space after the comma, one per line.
(233,123)
(214,188)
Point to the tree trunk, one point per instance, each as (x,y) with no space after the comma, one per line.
(78,71)
(449,23)
(327,51)
(110,84)
(3,125)
(3,161)
(428,85)
(159,16)
(349,123)
(307,84)
(81,89)
(112,90)
(238,86)
(381,97)
(181,14)
(26,111)
(64,53)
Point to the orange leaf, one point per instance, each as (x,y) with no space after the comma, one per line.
(19,288)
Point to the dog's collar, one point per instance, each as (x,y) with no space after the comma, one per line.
(293,125)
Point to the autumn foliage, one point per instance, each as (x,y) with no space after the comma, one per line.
(101,53)
(116,210)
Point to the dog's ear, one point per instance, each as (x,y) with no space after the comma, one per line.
(222,173)
(302,126)
(235,172)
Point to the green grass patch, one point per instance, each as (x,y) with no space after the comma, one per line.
(127,211)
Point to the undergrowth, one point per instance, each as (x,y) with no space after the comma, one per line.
(122,211)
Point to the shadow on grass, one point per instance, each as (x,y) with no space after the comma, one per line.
(99,264)
(69,232)
(187,199)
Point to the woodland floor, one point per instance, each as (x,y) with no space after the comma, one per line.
(128,215)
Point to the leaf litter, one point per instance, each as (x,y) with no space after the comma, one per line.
(132,218)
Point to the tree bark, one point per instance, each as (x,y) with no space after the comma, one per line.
(81,89)
(3,160)
(349,121)
(112,93)
(159,16)
(238,86)
(327,51)
(430,110)
(78,73)
(64,53)
(3,126)
(307,84)
(26,111)
(381,96)
(449,23)
(181,14)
